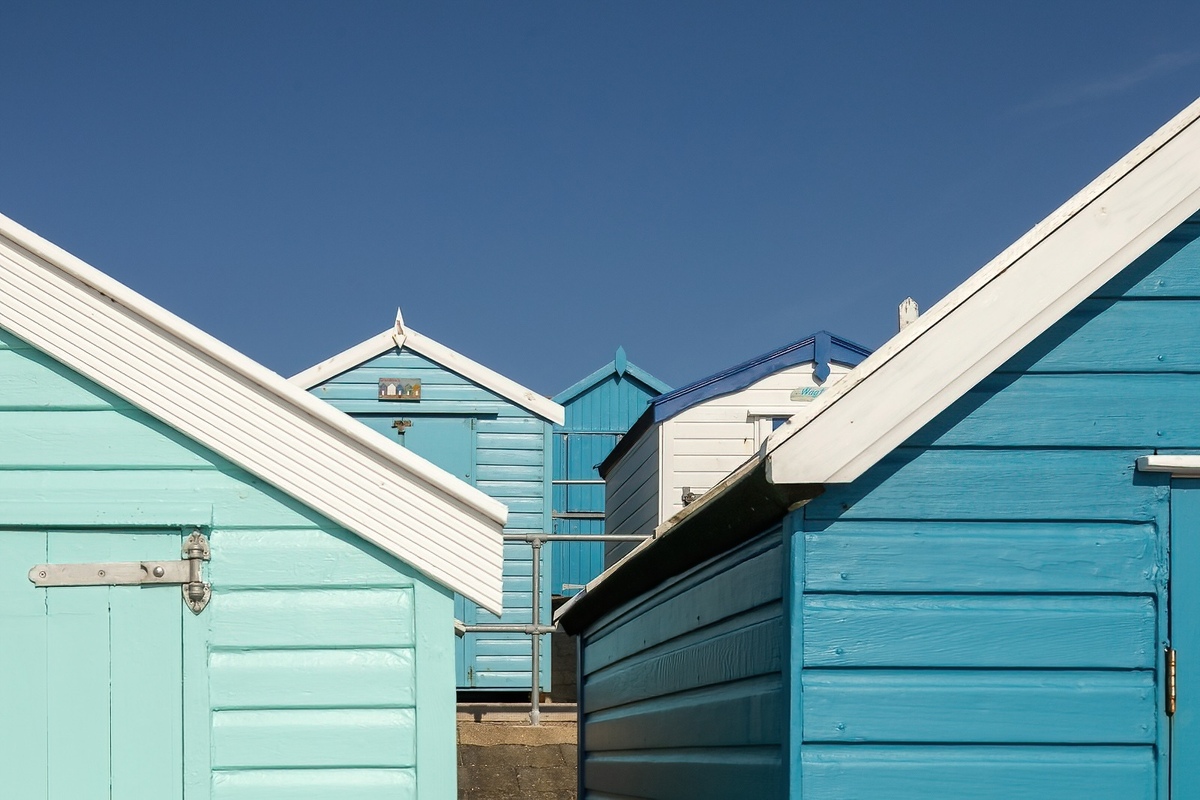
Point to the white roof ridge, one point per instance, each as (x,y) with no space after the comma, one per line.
(400,335)
(994,313)
(250,415)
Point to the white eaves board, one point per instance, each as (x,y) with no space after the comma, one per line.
(402,336)
(246,413)
(995,313)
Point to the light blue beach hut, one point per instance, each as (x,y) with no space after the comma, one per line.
(599,410)
(972,569)
(212,585)
(486,430)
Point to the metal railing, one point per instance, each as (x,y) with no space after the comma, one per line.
(536,629)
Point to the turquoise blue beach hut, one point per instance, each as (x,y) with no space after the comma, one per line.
(972,569)
(486,430)
(599,410)
(212,585)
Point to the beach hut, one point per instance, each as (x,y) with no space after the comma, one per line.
(599,410)
(212,585)
(967,571)
(486,430)
(688,439)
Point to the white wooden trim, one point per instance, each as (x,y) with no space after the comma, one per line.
(544,407)
(401,336)
(995,313)
(1179,466)
(345,360)
(244,412)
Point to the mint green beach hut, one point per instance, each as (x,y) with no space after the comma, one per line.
(212,584)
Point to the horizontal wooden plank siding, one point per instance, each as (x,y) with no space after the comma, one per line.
(314,784)
(983,612)
(704,443)
(984,557)
(859,772)
(305,682)
(682,690)
(273,738)
(993,706)
(632,495)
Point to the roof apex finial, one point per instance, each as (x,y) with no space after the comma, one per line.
(399,321)
(620,364)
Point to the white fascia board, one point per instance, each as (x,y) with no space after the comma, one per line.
(1178,466)
(507,388)
(346,360)
(208,391)
(995,313)
(435,351)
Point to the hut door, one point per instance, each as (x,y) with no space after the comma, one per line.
(1184,630)
(448,442)
(91,677)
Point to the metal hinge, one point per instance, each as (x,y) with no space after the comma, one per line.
(196,593)
(1170,681)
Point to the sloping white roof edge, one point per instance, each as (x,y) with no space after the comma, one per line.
(996,312)
(227,402)
(402,336)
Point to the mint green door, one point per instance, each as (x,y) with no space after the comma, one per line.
(91,678)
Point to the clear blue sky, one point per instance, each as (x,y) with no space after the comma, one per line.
(538,182)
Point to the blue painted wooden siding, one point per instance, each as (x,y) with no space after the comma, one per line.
(682,691)
(595,420)
(511,458)
(983,613)
(320,661)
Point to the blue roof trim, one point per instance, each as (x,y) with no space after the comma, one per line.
(822,347)
(622,371)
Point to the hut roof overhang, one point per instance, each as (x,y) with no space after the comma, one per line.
(251,416)
(821,348)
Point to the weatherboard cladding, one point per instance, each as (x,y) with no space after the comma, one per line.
(997,582)
(983,612)
(509,450)
(598,410)
(682,691)
(320,660)
(1007,563)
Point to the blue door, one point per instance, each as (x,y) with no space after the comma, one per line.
(1184,631)
(448,442)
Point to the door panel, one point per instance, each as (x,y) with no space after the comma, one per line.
(448,442)
(97,711)
(1184,611)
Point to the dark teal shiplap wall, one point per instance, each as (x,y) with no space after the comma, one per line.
(682,690)
(505,452)
(983,613)
(595,420)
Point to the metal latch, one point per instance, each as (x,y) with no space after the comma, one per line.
(196,593)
